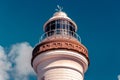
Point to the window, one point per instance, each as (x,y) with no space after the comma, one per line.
(47,28)
(52,27)
(60,26)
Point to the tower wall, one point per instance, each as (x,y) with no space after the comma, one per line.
(60,65)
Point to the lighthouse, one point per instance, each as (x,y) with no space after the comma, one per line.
(60,55)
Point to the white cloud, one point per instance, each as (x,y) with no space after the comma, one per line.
(4,65)
(20,56)
(118,77)
(17,64)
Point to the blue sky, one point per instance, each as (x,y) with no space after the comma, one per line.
(98,21)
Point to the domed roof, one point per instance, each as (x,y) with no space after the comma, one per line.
(60,15)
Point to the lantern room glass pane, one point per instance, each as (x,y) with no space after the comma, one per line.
(60,26)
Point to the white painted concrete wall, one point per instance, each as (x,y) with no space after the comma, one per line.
(60,65)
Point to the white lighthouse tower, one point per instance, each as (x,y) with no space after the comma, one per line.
(60,54)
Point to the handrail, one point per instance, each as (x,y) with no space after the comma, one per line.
(61,32)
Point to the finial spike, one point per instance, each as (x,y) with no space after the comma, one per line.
(59,8)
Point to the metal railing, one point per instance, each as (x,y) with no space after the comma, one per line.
(63,33)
